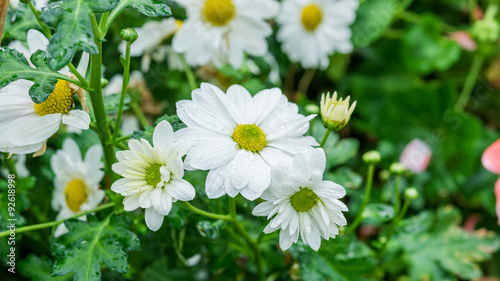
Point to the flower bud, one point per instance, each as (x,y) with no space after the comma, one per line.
(104,82)
(128,35)
(397,168)
(335,113)
(371,157)
(487,30)
(312,109)
(411,193)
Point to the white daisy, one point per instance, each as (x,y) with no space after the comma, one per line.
(311,30)
(29,125)
(152,176)
(149,44)
(239,137)
(76,182)
(222,30)
(301,203)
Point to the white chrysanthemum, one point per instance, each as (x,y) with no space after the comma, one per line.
(27,125)
(149,44)
(76,182)
(239,137)
(301,203)
(39,4)
(311,30)
(221,31)
(152,176)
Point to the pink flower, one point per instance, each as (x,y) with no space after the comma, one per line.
(491,161)
(416,156)
(463,39)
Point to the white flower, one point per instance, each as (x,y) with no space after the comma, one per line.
(152,176)
(222,30)
(38,4)
(149,44)
(76,181)
(27,125)
(239,137)
(311,30)
(301,203)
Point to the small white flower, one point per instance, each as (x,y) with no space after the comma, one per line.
(152,176)
(301,204)
(222,30)
(29,125)
(149,44)
(76,181)
(311,30)
(239,137)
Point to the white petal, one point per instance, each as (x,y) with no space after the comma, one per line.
(181,190)
(163,134)
(154,220)
(131,203)
(37,41)
(214,186)
(77,118)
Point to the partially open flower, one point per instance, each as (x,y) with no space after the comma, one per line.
(335,113)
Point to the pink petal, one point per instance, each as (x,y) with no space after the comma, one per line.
(497,195)
(416,156)
(463,39)
(491,158)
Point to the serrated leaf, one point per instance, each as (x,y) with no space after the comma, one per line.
(38,268)
(90,243)
(14,66)
(378,213)
(443,247)
(71,18)
(174,120)
(150,8)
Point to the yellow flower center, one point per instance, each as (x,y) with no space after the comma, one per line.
(304,200)
(249,137)
(60,101)
(76,194)
(311,17)
(218,12)
(153,175)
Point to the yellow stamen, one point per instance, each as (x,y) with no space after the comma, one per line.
(76,194)
(218,12)
(60,101)
(311,17)
(249,137)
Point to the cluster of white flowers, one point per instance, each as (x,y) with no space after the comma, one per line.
(223,31)
(253,146)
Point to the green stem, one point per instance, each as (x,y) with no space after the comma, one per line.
(55,223)
(78,75)
(190,75)
(470,81)
(392,228)
(397,198)
(97,99)
(207,214)
(306,80)
(9,163)
(139,114)
(177,247)
(325,137)
(126,75)
(251,243)
(369,183)
(119,140)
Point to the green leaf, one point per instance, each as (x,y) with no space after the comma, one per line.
(346,177)
(436,246)
(71,18)
(174,120)
(18,28)
(373,18)
(90,243)
(425,49)
(337,151)
(14,66)
(150,8)
(378,213)
(38,268)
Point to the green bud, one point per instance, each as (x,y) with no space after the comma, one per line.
(312,109)
(371,157)
(397,168)
(25,1)
(487,30)
(384,175)
(104,82)
(411,193)
(128,35)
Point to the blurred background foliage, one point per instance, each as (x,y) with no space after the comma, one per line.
(407,75)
